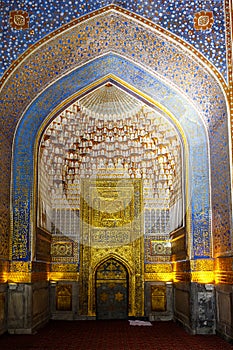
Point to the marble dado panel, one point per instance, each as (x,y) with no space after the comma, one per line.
(194,307)
(3,307)
(224,304)
(28,306)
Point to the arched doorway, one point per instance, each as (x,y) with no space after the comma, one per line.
(111,282)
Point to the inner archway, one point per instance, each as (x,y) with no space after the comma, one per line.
(167,73)
(130,140)
(111,180)
(111,282)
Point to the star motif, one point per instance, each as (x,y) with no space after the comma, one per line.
(104,297)
(119,296)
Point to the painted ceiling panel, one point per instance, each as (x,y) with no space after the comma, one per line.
(199,23)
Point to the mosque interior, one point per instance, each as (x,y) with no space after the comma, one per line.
(116,158)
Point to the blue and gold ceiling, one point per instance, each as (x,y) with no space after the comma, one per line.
(199,23)
(172,53)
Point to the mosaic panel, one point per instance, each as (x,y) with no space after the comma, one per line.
(200,23)
(157,248)
(121,35)
(140,79)
(160,247)
(64,250)
(42,104)
(200,84)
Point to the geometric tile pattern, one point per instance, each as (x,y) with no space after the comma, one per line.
(205,116)
(178,17)
(102,67)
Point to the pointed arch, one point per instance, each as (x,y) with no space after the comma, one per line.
(112,289)
(116,257)
(165,102)
(159,65)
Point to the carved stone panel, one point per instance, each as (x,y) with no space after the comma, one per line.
(158,298)
(64,297)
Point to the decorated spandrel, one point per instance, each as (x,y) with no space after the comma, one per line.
(180,19)
(110,169)
(111,269)
(219,136)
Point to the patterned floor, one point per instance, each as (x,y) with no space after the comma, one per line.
(111,335)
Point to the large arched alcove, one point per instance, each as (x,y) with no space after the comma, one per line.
(182,118)
(152,65)
(81,151)
(158,47)
(116,135)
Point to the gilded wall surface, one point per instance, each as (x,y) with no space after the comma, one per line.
(112,226)
(187,46)
(172,56)
(29,22)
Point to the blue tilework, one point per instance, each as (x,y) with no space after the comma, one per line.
(175,16)
(188,117)
(51,61)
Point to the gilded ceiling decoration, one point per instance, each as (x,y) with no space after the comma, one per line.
(180,17)
(78,146)
(109,103)
(48,76)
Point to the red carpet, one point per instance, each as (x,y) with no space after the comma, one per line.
(111,335)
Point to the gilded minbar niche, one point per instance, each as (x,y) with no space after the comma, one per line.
(111,227)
